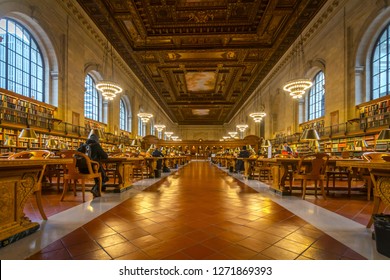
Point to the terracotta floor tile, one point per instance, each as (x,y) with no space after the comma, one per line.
(254,244)
(134,233)
(278,253)
(145,241)
(178,256)
(292,246)
(238,252)
(201,213)
(61,254)
(111,240)
(83,248)
(198,252)
(317,254)
(121,249)
(94,255)
(217,243)
(136,255)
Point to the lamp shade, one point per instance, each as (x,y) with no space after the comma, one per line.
(361,144)
(384,136)
(51,143)
(9,142)
(310,134)
(267,144)
(28,133)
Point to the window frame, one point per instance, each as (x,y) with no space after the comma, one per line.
(316,97)
(380,90)
(28,64)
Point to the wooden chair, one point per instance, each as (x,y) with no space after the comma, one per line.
(338,172)
(38,154)
(140,169)
(316,172)
(262,169)
(71,172)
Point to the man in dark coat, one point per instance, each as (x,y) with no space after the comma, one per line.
(96,153)
(244,153)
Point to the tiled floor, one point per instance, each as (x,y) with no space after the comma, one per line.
(197,213)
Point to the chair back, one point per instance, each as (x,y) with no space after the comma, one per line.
(37,154)
(319,162)
(77,157)
(375,156)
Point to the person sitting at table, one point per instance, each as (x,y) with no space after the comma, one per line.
(244,153)
(95,152)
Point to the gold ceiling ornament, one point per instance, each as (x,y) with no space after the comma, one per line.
(108,88)
(200,16)
(296,86)
(145,117)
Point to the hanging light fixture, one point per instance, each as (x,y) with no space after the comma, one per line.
(259,115)
(145,117)
(168,134)
(108,88)
(159,127)
(242,127)
(297,87)
(233,133)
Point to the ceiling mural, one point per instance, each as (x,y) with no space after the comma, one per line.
(201,59)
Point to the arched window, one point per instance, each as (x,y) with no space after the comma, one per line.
(380,66)
(124,121)
(92,99)
(21,63)
(316,98)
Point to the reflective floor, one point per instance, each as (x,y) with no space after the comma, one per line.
(199,212)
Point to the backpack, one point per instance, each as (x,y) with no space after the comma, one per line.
(80,161)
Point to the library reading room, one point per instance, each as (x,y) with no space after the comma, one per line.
(195,130)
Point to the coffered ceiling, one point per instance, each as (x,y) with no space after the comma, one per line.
(201,59)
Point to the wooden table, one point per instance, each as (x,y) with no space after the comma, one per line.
(377,170)
(283,165)
(18,179)
(124,170)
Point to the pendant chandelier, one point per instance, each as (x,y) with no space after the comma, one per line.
(242,127)
(168,134)
(159,127)
(297,87)
(233,133)
(259,115)
(108,88)
(145,117)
